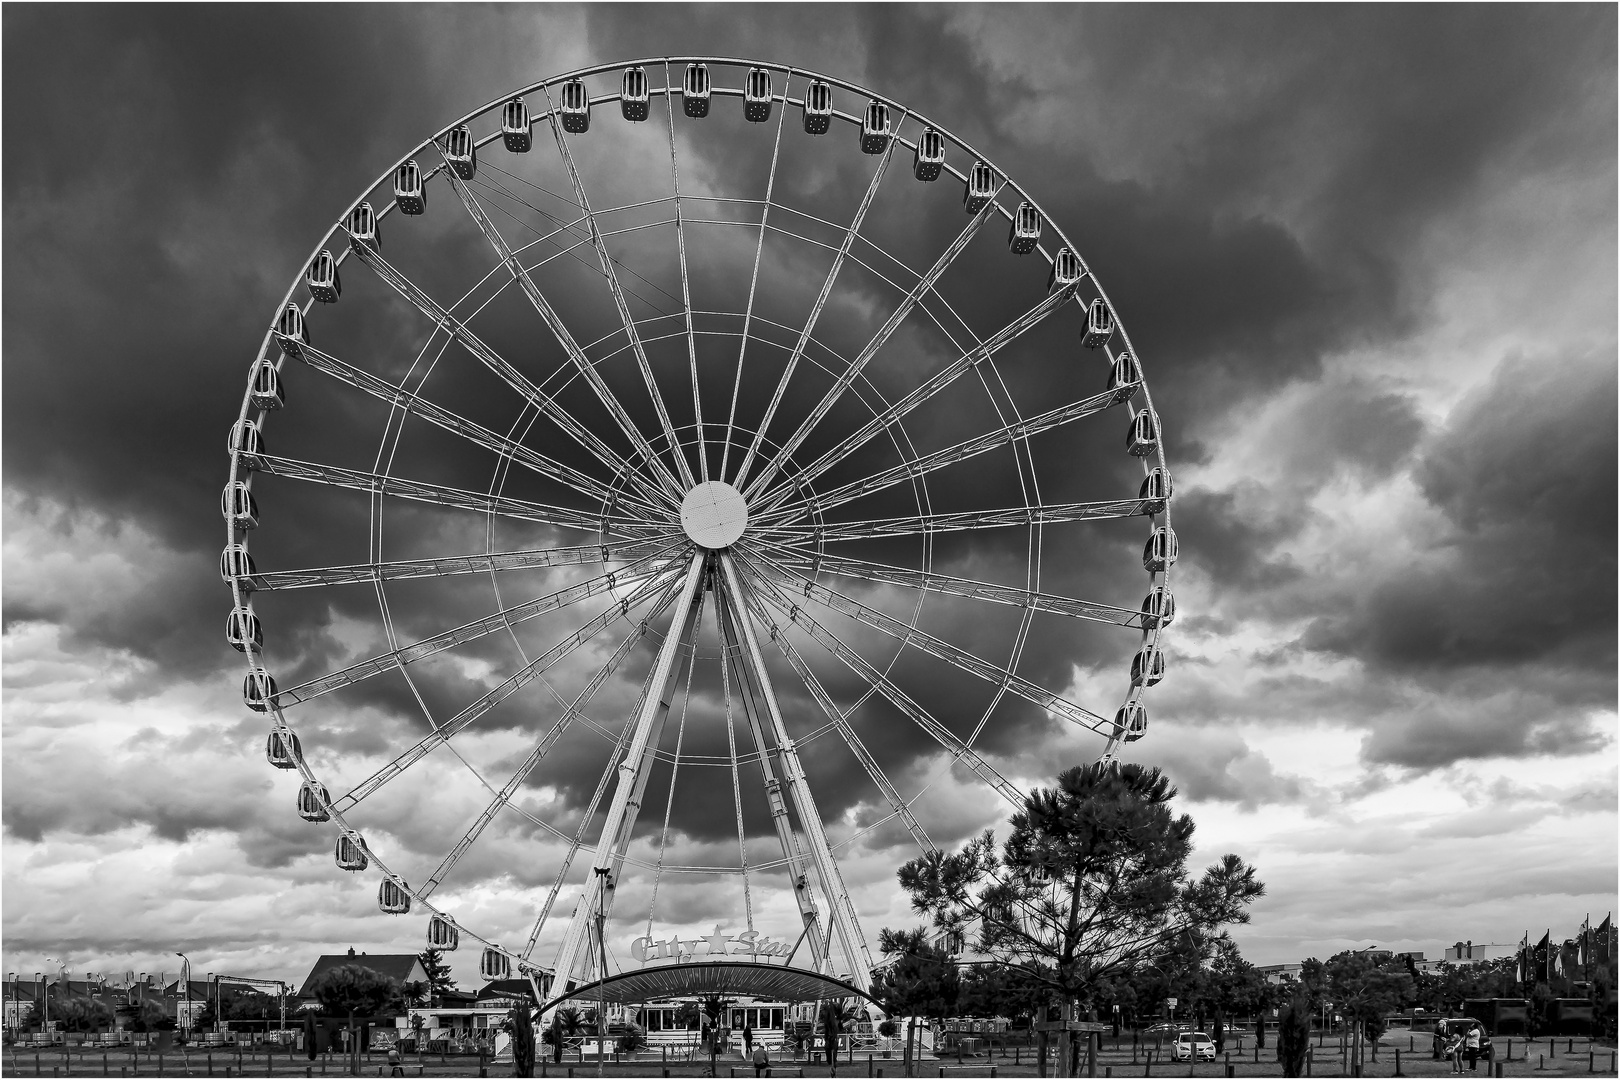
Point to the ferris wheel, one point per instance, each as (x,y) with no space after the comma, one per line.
(694,486)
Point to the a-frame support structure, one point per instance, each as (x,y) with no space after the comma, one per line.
(712,573)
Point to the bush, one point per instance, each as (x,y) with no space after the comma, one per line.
(632,1039)
(888,1029)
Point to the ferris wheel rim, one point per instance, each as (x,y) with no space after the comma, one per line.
(504,463)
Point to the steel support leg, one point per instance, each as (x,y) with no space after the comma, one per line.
(631,781)
(843,909)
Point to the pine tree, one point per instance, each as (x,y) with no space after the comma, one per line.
(1294,1036)
(438,973)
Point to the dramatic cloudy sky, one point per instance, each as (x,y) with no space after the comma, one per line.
(1367,257)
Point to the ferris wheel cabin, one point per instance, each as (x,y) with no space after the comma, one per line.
(817,108)
(409,194)
(265,390)
(575,107)
(291,333)
(243,631)
(350,853)
(875,128)
(312,802)
(1132,720)
(460,152)
(1158,608)
(1123,378)
(1147,666)
(361,225)
(258,690)
(1155,490)
(757,96)
(1160,551)
(442,933)
(635,100)
(322,279)
(246,442)
(1026,229)
(929,160)
(238,506)
(235,563)
(695,91)
(494,965)
(1067,270)
(981,187)
(1142,438)
(282,750)
(392,899)
(1099,325)
(517,129)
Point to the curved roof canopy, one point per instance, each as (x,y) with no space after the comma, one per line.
(771,982)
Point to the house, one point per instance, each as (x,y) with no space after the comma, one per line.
(401,967)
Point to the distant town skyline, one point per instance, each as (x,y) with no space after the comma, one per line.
(1372,282)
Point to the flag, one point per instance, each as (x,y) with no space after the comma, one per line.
(1586,941)
(1541,959)
(1603,943)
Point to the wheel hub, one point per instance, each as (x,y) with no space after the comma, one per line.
(714,515)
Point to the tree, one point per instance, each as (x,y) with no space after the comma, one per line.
(1294,1035)
(920,980)
(1366,991)
(1091,882)
(438,974)
(522,1041)
(714,1006)
(352,990)
(566,1023)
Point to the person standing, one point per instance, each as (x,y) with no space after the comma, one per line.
(748,1039)
(1454,1047)
(1471,1042)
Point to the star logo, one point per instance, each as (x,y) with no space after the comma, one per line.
(717,941)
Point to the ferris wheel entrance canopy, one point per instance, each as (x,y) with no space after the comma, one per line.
(690,494)
(744,978)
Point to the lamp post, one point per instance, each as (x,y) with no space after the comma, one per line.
(45,992)
(603,885)
(185,995)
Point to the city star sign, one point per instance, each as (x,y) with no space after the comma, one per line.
(749,943)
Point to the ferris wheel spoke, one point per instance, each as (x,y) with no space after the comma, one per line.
(893,694)
(547,741)
(445,566)
(906,634)
(912,298)
(653,566)
(544,403)
(455,498)
(686,281)
(840,722)
(472,432)
(921,524)
(815,311)
(938,382)
(946,585)
(968,448)
(611,273)
(759,250)
(661,590)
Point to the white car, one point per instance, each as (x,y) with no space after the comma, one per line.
(1191,1045)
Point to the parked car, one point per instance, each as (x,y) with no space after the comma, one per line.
(1194,1045)
(1161,1029)
(1445,1030)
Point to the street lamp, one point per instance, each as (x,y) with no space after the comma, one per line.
(185,994)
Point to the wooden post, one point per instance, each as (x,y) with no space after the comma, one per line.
(1041,1039)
